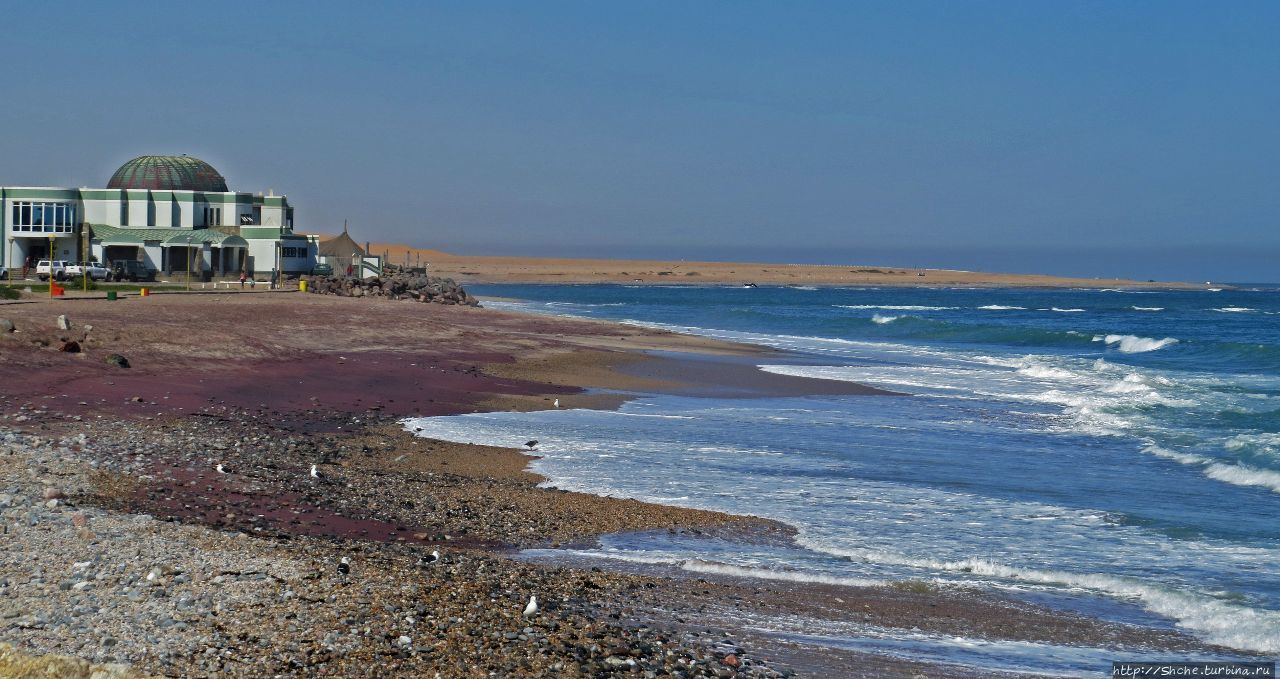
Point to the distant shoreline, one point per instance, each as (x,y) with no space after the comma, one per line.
(492,269)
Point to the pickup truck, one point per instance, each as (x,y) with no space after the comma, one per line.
(56,268)
(95,271)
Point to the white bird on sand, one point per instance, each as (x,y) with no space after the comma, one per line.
(344,566)
(314,474)
(433,557)
(556,403)
(220,469)
(531,609)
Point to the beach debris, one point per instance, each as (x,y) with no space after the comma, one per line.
(64,323)
(531,609)
(7,325)
(344,566)
(531,444)
(118,361)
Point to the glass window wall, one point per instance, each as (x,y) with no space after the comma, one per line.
(44,217)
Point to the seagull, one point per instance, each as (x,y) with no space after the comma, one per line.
(532,609)
(431,558)
(220,469)
(531,444)
(344,566)
(556,404)
(314,474)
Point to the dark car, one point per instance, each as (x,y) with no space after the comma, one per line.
(322,270)
(130,270)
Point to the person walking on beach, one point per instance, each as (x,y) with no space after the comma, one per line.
(242,277)
(274,275)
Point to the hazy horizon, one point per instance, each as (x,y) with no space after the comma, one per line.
(1089,139)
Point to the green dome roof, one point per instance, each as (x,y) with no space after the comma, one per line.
(168,173)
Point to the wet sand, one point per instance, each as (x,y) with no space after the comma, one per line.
(269,384)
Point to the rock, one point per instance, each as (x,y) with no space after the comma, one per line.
(70,347)
(7,325)
(53,493)
(731,660)
(118,361)
(64,323)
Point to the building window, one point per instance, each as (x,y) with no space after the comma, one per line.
(293,252)
(212,216)
(44,217)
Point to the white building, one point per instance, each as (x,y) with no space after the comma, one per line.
(173,213)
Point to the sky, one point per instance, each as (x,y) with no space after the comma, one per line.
(1136,139)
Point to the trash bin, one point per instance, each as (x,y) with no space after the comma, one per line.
(302,285)
(145,292)
(111,295)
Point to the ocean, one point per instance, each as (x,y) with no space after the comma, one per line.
(1110,452)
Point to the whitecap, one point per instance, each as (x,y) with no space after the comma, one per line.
(881,320)
(1066,311)
(1148,308)
(896,307)
(1001,307)
(1233,309)
(1132,344)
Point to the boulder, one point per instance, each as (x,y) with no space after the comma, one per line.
(398,286)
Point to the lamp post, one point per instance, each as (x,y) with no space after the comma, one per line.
(10,251)
(188,262)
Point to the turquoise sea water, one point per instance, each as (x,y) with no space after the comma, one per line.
(1113,452)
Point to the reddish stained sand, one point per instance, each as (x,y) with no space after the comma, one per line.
(221,501)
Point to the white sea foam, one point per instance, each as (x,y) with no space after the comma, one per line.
(1234,309)
(1220,622)
(1046,372)
(719,568)
(1066,311)
(1132,344)
(1244,475)
(896,307)
(1267,443)
(881,320)
(1148,308)
(1001,307)
(1235,474)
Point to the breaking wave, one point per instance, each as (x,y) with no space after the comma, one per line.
(1132,344)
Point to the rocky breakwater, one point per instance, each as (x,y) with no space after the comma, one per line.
(402,286)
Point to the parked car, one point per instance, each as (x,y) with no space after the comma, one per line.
(56,268)
(4,272)
(94,270)
(130,270)
(322,270)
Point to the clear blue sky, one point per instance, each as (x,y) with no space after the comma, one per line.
(1120,138)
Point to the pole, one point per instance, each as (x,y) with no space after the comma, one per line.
(188,262)
(51,239)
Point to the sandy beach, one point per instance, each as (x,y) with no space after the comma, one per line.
(489,269)
(123,545)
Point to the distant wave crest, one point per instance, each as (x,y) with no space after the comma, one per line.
(1132,344)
